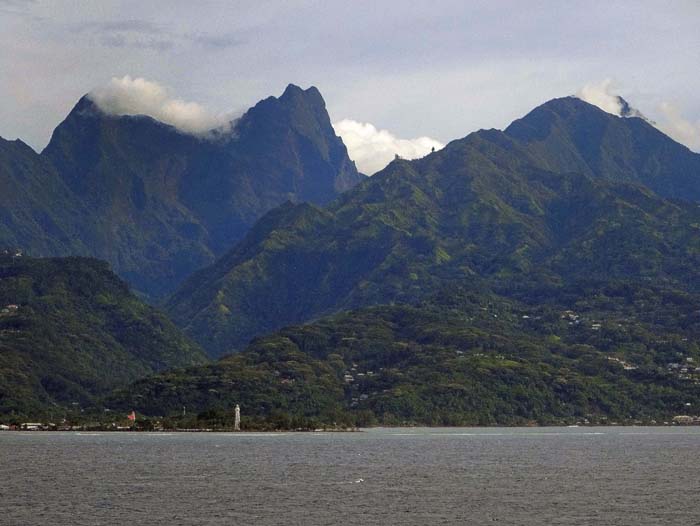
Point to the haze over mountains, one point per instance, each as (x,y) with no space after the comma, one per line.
(582,221)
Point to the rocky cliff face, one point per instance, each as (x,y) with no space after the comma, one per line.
(158,203)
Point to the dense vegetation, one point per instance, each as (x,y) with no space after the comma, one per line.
(158,204)
(70,330)
(599,353)
(489,212)
(545,274)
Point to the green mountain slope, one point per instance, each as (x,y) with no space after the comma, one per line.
(71,330)
(595,352)
(481,213)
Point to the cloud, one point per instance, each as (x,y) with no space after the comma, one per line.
(133,33)
(118,40)
(142,34)
(672,123)
(678,128)
(20,9)
(138,96)
(131,25)
(20,4)
(373,149)
(215,41)
(601,95)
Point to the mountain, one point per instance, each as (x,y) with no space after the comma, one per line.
(490,211)
(547,273)
(628,354)
(569,134)
(158,203)
(70,330)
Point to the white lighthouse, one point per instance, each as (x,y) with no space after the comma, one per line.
(237,419)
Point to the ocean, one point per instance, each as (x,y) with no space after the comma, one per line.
(417,476)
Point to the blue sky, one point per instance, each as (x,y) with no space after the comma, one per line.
(439,69)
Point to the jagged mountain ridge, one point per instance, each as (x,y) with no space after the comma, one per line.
(158,203)
(497,210)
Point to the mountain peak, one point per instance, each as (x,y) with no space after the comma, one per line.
(538,123)
(298,121)
(295,105)
(572,113)
(84,108)
(298,102)
(570,134)
(87,108)
(311,94)
(571,105)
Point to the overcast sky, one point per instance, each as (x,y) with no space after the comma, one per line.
(437,69)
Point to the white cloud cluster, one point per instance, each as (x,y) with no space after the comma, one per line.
(601,95)
(138,96)
(373,149)
(678,128)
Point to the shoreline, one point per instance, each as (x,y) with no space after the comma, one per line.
(343,430)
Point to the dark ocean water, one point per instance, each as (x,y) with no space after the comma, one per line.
(615,476)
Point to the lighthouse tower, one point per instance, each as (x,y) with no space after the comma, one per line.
(237,419)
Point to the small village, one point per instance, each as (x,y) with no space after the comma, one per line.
(127,423)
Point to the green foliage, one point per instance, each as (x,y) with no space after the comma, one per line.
(593,353)
(71,330)
(517,277)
